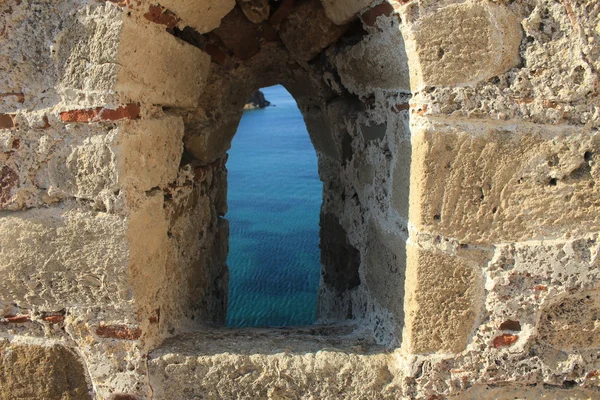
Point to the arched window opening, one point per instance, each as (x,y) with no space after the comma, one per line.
(274,197)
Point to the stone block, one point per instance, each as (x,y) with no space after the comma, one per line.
(379,61)
(202,16)
(53,258)
(88,161)
(307,31)
(504,182)
(343,11)
(462,44)
(271,364)
(572,323)
(40,372)
(385,271)
(444,295)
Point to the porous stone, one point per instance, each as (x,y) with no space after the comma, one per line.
(251,363)
(461,44)
(204,16)
(41,372)
(343,11)
(307,31)
(444,297)
(504,182)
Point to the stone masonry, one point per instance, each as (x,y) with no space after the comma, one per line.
(459,149)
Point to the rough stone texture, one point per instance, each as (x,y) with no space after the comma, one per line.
(461,44)
(262,364)
(504,182)
(341,12)
(202,16)
(308,17)
(457,148)
(39,372)
(444,297)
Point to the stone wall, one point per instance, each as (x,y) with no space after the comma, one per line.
(457,146)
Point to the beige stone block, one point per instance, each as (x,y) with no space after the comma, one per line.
(203,16)
(148,152)
(307,31)
(462,44)
(504,182)
(516,391)
(57,257)
(342,11)
(377,62)
(444,295)
(271,364)
(572,323)
(40,372)
(385,271)
(157,68)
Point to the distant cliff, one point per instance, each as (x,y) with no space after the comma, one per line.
(257,101)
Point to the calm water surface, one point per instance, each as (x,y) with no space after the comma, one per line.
(274,197)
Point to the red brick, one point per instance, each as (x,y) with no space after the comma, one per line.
(123,332)
(54,319)
(400,107)
(505,340)
(8,179)
(162,16)
(7,121)
(130,111)
(17,319)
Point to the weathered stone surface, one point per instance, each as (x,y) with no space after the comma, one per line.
(444,295)
(520,392)
(307,31)
(377,62)
(202,16)
(462,44)
(386,271)
(572,322)
(239,35)
(342,11)
(256,11)
(504,182)
(84,263)
(40,372)
(267,364)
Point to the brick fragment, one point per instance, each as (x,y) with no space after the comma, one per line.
(162,16)
(8,179)
(130,111)
(122,332)
(54,319)
(7,121)
(400,107)
(505,340)
(17,319)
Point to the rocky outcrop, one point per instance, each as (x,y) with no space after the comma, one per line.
(257,101)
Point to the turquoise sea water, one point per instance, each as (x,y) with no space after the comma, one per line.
(274,196)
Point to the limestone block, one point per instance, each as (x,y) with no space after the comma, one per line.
(385,271)
(148,152)
(343,11)
(400,188)
(160,69)
(377,62)
(103,56)
(572,323)
(504,182)
(307,31)
(482,392)
(462,44)
(444,295)
(40,372)
(203,16)
(88,161)
(57,257)
(270,364)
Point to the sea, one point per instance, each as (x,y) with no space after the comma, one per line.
(274,197)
